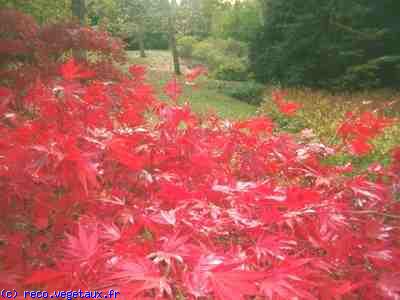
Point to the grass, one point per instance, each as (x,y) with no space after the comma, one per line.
(202,98)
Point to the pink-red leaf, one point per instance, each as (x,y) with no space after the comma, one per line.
(72,71)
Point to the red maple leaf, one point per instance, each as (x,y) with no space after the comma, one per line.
(195,73)
(123,150)
(174,247)
(360,146)
(72,71)
(96,92)
(138,72)
(215,274)
(84,246)
(285,107)
(257,125)
(288,282)
(173,89)
(289,108)
(77,166)
(139,275)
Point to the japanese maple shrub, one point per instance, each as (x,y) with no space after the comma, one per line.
(104,186)
(28,50)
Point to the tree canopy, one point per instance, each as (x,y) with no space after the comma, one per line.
(342,44)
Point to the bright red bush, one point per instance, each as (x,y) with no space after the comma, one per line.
(285,107)
(356,131)
(96,195)
(28,50)
(104,186)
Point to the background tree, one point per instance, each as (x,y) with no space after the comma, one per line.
(239,21)
(141,23)
(44,11)
(137,13)
(106,14)
(196,17)
(170,8)
(333,44)
(189,18)
(78,8)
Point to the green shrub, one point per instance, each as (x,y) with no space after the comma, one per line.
(231,69)
(247,91)
(240,21)
(226,59)
(208,54)
(186,45)
(235,48)
(152,40)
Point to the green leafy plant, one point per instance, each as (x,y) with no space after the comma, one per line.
(186,45)
(247,91)
(226,59)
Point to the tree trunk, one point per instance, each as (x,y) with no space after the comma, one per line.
(79,12)
(141,40)
(263,11)
(172,39)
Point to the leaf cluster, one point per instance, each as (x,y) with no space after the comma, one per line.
(105,186)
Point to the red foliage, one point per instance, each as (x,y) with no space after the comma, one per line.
(28,50)
(356,131)
(173,89)
(96,195)
(285,107)
(195,73)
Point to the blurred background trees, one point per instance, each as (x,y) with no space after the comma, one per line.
(332,44)
(335,44)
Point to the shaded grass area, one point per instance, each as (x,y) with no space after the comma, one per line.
(203,98)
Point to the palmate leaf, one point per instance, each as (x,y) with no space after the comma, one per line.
(83,247)
(72,71)
(134,276)
(285,107)
(222,277)
(173,89)
(257,125)
(289,108)
(287,281)
(138,72)
(123,150)
(76,165)
(235,284)
(360,146)
(174,247)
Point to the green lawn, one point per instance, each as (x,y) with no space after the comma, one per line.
(202,98)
